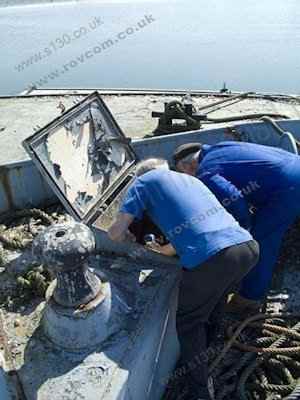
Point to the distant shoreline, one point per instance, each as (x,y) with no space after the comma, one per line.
(21,3)
(13,3)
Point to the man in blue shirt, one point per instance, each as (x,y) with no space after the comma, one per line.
(215,252)
(244,177)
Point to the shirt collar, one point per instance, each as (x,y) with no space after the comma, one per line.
(203,152)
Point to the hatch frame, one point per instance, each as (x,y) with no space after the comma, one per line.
(119,182)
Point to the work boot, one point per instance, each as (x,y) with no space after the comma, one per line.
(237,304)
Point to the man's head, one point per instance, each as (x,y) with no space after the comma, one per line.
(186,157)
(150,164)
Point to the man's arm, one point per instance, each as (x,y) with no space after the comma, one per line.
(229,196)
(133,206)
(119,229)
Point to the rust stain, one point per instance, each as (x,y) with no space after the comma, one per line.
(92,304)
(4,181)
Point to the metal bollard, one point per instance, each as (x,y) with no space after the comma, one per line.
(78,304)
(64,250)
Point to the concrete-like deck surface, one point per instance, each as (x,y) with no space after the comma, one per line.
(131,108)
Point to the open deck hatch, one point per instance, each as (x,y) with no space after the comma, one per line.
(85,158)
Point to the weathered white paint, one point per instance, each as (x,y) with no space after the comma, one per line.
(76,330)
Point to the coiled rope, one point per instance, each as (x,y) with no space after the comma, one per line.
(13,241)
(17,231)
(270,365)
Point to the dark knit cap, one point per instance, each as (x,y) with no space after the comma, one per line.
(185,150)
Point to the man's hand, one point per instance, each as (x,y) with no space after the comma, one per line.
(154,246)
(166,250)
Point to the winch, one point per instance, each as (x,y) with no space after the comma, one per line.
(177,110)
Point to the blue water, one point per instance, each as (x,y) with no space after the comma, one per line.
(193,44)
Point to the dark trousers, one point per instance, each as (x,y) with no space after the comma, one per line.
(201,291)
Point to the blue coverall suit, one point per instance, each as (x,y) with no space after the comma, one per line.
(242,175)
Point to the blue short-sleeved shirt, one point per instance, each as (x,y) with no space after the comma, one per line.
(187,212)
(258,171)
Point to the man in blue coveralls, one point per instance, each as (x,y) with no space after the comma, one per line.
(246,176)
(214,250)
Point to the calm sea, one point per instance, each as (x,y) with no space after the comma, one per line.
(192,44)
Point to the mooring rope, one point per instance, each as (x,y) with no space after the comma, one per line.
(270,365)
(16,237)
(14,241)
(36,213)
(270,350)
(295,395)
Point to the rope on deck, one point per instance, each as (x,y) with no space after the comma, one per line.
(270,366)
(17,231)
(17,241)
